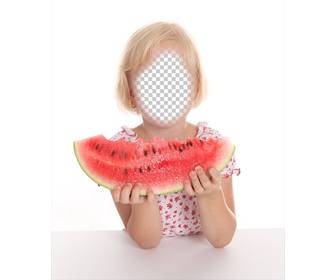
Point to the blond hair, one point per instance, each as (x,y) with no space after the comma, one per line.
(139,48)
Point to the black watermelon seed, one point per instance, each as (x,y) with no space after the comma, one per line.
(175,146)
(97,146)
(145,153)
(140,169)
(112,154)
(125,171)
(148,168)
(169,146)
(153,149)
(180,149)
(183,146)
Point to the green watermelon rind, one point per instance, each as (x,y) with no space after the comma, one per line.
(172,189)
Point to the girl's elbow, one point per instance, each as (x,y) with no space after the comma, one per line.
(148,243)
(220,243)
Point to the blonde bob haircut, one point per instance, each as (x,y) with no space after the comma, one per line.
(139,48)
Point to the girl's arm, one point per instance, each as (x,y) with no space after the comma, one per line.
(124,211)
(144,224)
(217,219)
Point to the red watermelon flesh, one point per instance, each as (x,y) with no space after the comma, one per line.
(160,164)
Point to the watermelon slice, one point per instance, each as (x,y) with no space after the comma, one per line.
(160,164)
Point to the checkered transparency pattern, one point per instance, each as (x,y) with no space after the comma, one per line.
(164,89)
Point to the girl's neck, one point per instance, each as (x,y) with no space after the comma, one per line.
(178,131)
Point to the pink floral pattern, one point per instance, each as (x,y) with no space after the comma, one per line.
(179,211)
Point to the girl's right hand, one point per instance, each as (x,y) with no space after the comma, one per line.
(130,195)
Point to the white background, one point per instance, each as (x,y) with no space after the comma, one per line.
(25,112)
(241,49)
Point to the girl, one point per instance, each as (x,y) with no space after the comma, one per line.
(160,78)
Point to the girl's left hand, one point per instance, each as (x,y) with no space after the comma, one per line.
(202,185)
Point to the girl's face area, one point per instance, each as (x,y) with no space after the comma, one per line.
(163,88)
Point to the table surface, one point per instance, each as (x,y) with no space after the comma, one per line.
(252,254)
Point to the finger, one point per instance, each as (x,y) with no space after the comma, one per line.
(135,198)
(142,193)
(150,195)
(188,188)
(125,194)
(196,183)
(203,178)
(116,193)
(142,199)
(215,176)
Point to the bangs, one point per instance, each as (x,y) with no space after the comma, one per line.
(143,41)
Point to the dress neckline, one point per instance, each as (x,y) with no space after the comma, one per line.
(200,125)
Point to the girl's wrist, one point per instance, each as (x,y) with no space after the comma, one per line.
(146,204)
(210,197)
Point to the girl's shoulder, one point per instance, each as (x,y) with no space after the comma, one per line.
(205,131)
(125,133)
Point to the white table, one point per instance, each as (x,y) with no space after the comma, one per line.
(252,254)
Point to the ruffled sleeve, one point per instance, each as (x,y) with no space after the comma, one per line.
(126,134)
(230,169)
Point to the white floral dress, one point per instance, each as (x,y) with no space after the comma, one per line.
(179,211)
